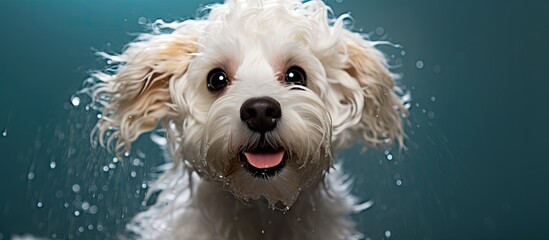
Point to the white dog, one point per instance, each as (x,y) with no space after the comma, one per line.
(254,98)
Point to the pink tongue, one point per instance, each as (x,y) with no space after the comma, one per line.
(265,160)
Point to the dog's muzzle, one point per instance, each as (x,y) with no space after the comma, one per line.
(261,115)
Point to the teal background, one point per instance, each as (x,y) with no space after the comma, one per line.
(476,165)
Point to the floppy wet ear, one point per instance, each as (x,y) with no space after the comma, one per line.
(135,97)
(378,108)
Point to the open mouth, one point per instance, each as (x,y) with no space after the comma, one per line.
(264,162)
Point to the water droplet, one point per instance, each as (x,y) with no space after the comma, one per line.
(93,209)
(99,116)
(436,68)
(144,185)
(399,182)
(142,20)
(115,159)
(39,204)
(66,205)
(380,30)
(388,234)
(53,165)
(75,101)
(105,168)
(85,206)
(76,188)
(407,106)
(112,166)
(419,64)
(5,133)
(81,229)
(30,176)
(76,213)
(262,231)
(402,52)
(339,1)
(90,227)
(99,227)
(136,162)
(133,174)
(431,115)
(433,98)
(127,154)
(389,157)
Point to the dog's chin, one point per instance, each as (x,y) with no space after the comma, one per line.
(280,184)
(264,170)
(270,173)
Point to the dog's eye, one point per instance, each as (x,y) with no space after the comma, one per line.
(217,79)
(296,75)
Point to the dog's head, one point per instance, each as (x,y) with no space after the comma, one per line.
(257,95)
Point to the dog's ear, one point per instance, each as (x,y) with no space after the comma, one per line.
(368,94)
(135,97)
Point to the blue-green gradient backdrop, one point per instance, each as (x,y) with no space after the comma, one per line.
(476,165)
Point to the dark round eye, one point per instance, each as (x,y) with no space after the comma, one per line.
(217,79)
(296,75)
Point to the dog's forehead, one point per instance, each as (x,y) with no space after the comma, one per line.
(272,26)
(245,51)
(241,39)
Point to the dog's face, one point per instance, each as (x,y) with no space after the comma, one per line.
(257,96)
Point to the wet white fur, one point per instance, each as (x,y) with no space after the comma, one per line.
(207,194)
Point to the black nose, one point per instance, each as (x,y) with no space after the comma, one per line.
(260,114)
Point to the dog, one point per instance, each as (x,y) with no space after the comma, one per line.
(254,98)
